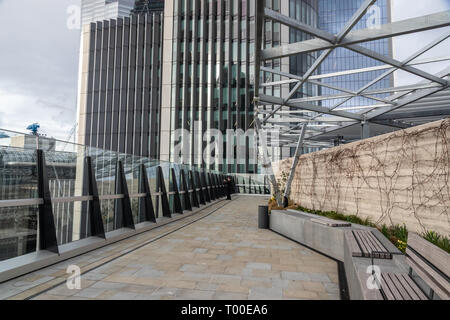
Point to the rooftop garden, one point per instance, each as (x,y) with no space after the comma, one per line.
(397,234)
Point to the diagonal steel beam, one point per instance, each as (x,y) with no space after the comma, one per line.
(266,161)
(310,107)
(321,84)
(395,63)
(298,152)
(354,20)
(347,28)
(404,63)
(293,23)
(348,72)
(413,25)
(408,97)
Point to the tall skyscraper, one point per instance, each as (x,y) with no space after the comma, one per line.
(200,79)
(120,85)
(147,6)
(97,10)
(333,15)
(208,77)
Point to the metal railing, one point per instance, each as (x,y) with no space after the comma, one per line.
(51,197)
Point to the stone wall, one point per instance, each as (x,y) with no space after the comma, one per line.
(396,178)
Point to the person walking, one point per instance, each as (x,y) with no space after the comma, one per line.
(227,183)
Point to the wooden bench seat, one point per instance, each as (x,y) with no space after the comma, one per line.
(400,287)
(364,244)
(430,263)
(330,223)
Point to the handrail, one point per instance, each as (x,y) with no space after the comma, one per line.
(39,201)
(21,202)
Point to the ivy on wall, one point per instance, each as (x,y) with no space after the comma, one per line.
(400,177)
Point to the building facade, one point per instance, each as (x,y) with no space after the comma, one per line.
(333,15)
(173,87)
(208,77)
(146,6)
(120,85)
(97,10)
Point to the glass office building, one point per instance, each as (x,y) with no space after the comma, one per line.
(333,15)
(97,10)
(305,11)
(144,77)
(147,6)
(208,75)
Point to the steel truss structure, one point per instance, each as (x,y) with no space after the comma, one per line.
(402,107)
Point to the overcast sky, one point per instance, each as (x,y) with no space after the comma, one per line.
(39,60)
(38,65)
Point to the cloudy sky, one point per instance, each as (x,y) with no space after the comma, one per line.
(39,60)
(38,65)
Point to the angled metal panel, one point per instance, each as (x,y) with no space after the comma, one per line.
(176,196)
(147,212)
(161,187)
(193,187)
(125,214)
(95,216)
(185,190)
(46,228)
(205,187)
(212,190)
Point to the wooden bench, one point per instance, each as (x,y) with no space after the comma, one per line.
(330,223)
(364,244)
(430,263)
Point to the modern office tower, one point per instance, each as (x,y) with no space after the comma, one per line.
(305,11)
(120,85)
(97,10)
(333,15)
(208,77)
(204,80)
(146,6)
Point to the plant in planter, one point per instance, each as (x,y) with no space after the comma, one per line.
(441,241)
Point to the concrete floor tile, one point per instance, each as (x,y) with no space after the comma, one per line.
(222,256)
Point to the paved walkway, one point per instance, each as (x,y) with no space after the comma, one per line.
(221,256)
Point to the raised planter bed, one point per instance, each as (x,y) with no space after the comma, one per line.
(330,240)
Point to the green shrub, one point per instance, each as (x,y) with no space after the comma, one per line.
(397,234)
(442,242)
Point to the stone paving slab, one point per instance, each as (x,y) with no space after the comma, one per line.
(222,256)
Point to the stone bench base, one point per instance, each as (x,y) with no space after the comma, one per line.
(331,241)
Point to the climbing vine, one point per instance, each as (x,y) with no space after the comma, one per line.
(401,177)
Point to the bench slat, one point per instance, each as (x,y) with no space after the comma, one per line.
(330,223)
(439,278)
(433,280)
(418,294)
(387,254)
(392,287)
(369,244)
(364,250)
(386,289)
(352,244)
(398,285)
(378,246)
(436,256)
